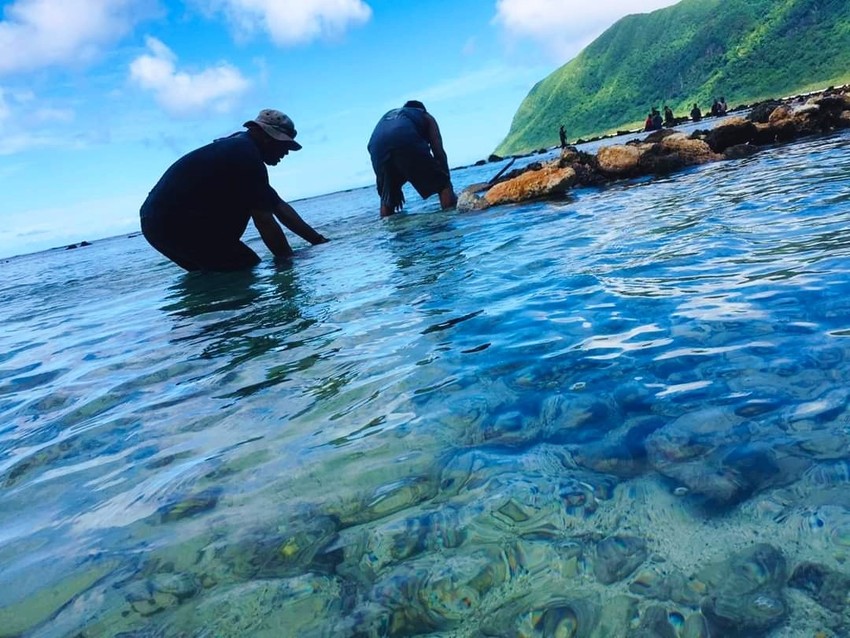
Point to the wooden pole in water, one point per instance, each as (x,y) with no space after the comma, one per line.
(502,172)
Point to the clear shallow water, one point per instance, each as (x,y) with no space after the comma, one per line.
(515,422)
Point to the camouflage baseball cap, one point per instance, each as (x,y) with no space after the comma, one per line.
(276,125)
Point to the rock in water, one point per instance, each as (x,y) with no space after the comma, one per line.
(617,557)
(745,592)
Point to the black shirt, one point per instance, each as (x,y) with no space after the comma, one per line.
(213,189)
(404,128)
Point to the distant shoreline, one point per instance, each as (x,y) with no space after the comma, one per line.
(666,150)
(741,108)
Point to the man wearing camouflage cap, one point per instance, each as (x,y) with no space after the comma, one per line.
(198,211)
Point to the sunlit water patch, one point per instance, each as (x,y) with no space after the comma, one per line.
(622,412)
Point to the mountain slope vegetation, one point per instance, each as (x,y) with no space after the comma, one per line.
(694,51)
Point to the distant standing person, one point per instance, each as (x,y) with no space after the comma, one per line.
(657,122)
(696,114)
(562,133)
(406,146)
(199,209)
(715,108)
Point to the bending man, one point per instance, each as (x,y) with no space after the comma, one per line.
(406,146)
(198,211)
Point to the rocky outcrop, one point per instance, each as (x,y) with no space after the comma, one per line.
(666,151)
(548,181)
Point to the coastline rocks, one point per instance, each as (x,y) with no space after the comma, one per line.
(691,151)
(536,181)
(467,200)
(733,132)
(619,160)
(549,181)
(666,151)
(673,153)
(761,112)
(740,151)
(779,114)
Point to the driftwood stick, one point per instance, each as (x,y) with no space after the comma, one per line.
(502,172)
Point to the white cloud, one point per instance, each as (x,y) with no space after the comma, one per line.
(564,28)
(180,92)
(42,33)
(290,22)
(25,126)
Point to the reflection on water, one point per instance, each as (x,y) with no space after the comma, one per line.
(624,414)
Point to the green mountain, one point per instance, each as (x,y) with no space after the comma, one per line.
(694,51)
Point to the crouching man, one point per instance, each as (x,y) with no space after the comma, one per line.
(199,210)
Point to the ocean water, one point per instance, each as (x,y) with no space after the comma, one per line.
(583,417)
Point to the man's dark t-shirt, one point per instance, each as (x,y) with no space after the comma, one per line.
(400,129)
(401,152)
(211,191)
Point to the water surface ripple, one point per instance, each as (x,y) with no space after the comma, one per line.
(516,422)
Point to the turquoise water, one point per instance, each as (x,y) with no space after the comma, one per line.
(533,420)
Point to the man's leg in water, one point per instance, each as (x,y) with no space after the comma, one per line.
(227,256)
(427,176)
(199,251)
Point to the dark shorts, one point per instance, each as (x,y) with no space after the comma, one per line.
(409,165)
(194,250)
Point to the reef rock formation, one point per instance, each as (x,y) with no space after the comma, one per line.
(667,151)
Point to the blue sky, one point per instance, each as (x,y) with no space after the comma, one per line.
(99,97)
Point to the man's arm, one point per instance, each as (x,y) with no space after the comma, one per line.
(292,220)
(436,141)
(271,234)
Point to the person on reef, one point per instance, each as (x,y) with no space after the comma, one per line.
(647,124)
(696,114)
(722,106)
(562,133)
(657,122)
(406,146)
(715,107)
(198,211)
(669,118)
